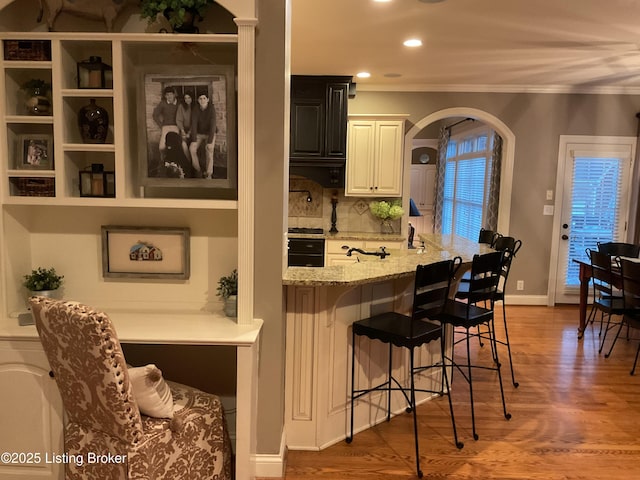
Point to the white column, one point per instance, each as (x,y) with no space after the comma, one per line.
(246,141)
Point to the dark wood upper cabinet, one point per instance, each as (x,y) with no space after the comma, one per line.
(318,119)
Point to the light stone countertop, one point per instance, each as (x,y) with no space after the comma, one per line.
(399,264)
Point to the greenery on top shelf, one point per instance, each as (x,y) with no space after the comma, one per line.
(43,279)
(228,285)
(175,10)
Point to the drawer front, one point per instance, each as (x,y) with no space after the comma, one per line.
(336,246)
(306,246)
(302,260)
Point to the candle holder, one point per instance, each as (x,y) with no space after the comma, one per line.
(96,182)
(334,215)
(93,73)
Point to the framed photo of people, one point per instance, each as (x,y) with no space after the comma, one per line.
(35,152)
(189,115)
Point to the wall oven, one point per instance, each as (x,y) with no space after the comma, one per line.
(306,251)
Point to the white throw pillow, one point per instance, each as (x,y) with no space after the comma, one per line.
(151,392)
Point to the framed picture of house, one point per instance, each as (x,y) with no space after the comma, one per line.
(35,152)
(188,115)
(145,252)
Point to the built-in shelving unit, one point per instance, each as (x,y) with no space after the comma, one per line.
(129,55)
(44,221)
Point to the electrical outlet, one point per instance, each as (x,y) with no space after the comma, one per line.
(549,194)
(520,285)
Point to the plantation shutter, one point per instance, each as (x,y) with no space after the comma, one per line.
(597,196)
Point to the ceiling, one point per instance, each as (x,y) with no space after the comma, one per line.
(472,45)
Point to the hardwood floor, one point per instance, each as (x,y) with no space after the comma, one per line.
(576,415)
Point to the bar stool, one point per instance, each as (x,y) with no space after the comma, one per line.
(430,295)
(485,275)
(510,246)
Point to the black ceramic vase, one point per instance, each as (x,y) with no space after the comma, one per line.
(93,121)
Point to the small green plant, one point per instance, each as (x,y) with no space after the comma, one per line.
(386,210)
(228,285)
(174,10)
(43,279)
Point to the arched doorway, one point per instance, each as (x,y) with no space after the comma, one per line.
(508,150)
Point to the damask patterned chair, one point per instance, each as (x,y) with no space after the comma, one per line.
(105,434)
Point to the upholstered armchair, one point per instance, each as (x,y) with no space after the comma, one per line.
(106,433)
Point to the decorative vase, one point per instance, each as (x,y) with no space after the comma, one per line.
(42,293)
(386,226)
(93,121)
(37,103)
(231,306)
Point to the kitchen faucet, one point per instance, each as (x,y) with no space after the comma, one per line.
(382,253)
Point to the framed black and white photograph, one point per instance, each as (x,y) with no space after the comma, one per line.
(35,152)
(145,252)
(189,115)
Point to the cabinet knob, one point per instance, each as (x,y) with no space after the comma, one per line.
(51,374)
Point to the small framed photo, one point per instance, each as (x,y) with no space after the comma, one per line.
(145,252)
(35,152)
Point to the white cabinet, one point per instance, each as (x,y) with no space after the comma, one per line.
(30,412)
(423,185)
(374,156)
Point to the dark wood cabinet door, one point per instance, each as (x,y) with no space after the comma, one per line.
(336,120)
(307,128)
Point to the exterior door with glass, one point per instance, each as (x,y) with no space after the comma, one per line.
(592,205)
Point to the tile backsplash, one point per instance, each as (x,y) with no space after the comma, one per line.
(352,213)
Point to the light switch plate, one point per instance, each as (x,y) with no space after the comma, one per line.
(548,210)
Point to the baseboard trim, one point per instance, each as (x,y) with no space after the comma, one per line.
(526,300)
(271,464)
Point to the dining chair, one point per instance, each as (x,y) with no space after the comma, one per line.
(630,272)
(486,272)
(157,429)
(619,249)
(430,294)
(606,299)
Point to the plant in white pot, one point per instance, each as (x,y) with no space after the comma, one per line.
(228,290)
(43,281)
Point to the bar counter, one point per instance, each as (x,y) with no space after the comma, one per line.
(322,303)
(401,263)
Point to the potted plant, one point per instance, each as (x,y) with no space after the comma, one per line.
(228,290)
(181,14)
(43,281)
(386,212)
(36,98)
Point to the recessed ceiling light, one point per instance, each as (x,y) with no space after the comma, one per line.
(413,42)
(363,75)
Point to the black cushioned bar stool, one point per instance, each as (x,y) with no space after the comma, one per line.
(430,295)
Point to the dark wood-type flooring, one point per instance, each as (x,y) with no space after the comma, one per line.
(576,415)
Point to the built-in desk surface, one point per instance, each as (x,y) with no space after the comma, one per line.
(179,328)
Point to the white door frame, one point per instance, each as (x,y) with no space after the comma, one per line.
(559,192)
